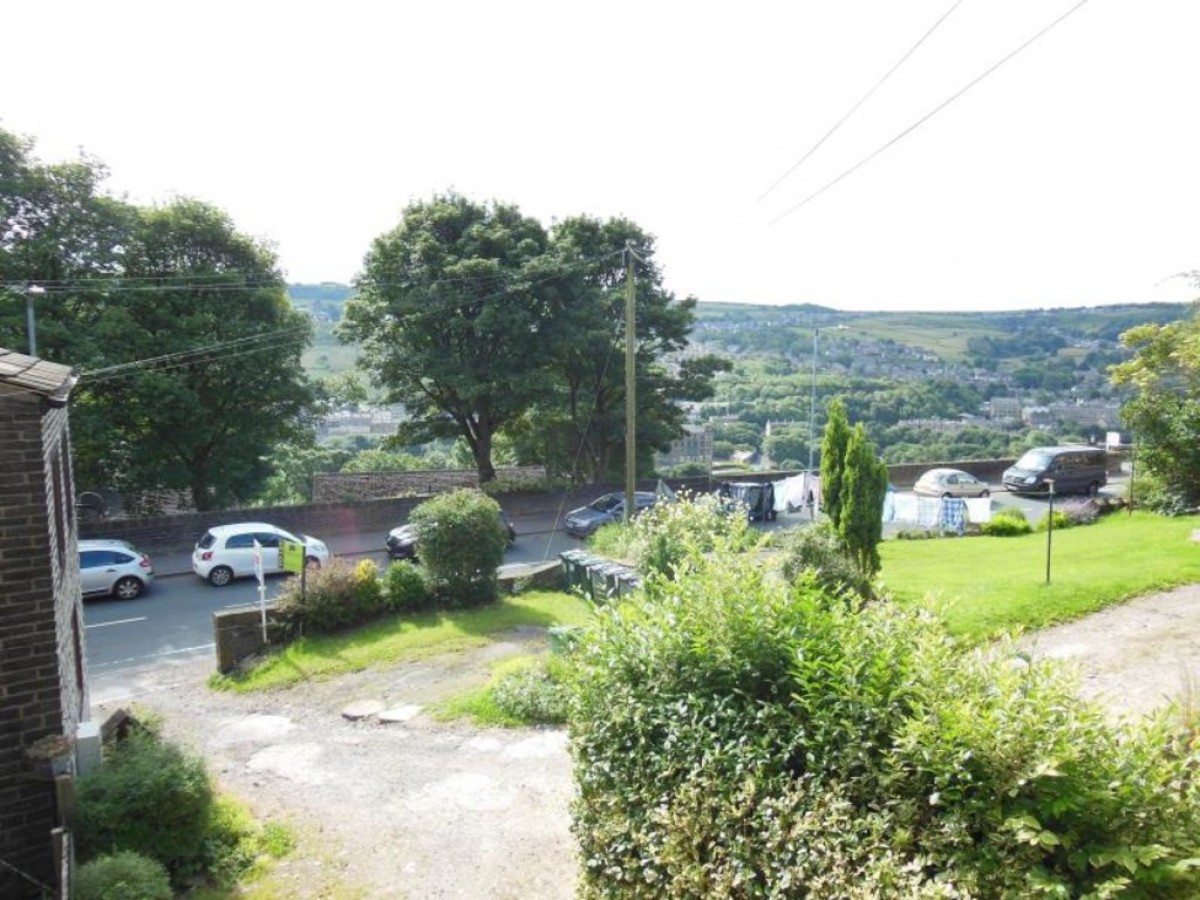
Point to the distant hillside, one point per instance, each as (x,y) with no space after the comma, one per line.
(952,336)
(323,301)
(327,356)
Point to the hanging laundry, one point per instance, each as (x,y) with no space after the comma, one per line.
(953,515)
(979,510)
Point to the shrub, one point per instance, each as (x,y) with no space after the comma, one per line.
(819,552)
(149,797)
(533,695)
(235,841)
(122,876)
(338,595)
(1007,522)
(462,545)
(666,534)
(741,737)
(404,587)
(616,540)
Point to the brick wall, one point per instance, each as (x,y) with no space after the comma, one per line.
(39,615)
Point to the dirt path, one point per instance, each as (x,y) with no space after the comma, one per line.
(416,808)
(1134,657)
(423,809)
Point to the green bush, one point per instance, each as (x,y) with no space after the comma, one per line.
(462,545)
(122,876)
(404,587)
(149,797)
(533,695)
(1059,517)
(339,595)
(1007,522)
(668,533)
(740,737)
(235,841)
(819,552)
(616,540)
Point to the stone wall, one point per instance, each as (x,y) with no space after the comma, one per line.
(335,486)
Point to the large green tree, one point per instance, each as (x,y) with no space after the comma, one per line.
(450,312)
(1164,411)
(577,428)
(218,381)
(188,348)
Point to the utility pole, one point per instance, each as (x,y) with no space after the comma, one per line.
(630,387)
(812,405)
(30,327)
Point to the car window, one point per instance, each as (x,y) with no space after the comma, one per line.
(267,539)
(90,559)
(239,541)
(607,503)
(1033,460)
(207,541)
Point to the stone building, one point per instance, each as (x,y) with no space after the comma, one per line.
(43,688)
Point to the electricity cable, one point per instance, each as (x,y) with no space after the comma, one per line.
(865,97)
(925,118)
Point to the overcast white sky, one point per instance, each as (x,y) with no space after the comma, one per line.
(1069,177)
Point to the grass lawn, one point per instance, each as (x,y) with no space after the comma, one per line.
(409,637)
(983,585)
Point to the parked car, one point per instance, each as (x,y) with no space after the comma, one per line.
(402,541)
(603,510)
(1073,469)
(226,552)
(112,568)
(951,483)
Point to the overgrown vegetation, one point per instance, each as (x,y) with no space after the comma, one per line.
(522,691)
(152,807)
(738,737)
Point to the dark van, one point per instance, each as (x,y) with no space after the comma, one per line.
(1074,470)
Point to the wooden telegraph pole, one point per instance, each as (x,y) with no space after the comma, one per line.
(630,386)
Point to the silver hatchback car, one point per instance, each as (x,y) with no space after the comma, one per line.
(112,568)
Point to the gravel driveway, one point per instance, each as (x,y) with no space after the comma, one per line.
(419,808)
(415,808)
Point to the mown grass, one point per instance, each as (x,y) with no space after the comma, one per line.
(985,585)
(403,638)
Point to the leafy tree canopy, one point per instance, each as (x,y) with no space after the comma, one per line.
(188,347)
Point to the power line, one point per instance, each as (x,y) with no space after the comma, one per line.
(925,118)
(865,97)
(93,374)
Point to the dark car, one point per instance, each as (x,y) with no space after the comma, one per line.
(402,541)
(609,508)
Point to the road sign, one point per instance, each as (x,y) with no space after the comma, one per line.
(292,556)
(258,563)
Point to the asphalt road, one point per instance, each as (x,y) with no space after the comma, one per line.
(173,620)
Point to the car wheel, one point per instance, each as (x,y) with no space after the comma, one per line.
(1093,489)
(220,576)
(127,588)
(985,493)
(312,563)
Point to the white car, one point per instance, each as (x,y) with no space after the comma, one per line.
(226,552)
(112,568)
